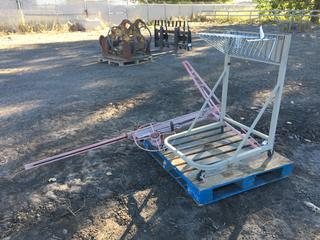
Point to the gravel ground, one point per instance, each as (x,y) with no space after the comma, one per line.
(55,96)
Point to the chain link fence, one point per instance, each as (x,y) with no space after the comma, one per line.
(86,12)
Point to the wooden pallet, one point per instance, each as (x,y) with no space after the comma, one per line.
(209,146)
(118,61)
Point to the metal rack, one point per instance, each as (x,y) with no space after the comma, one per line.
(252,46)
(174,34)
(259,47)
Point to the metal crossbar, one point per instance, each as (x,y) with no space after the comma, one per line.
(204,105)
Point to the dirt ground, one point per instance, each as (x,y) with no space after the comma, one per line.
(55,96)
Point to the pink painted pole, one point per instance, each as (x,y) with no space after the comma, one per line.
(205,91)
(74,152)
(140,134)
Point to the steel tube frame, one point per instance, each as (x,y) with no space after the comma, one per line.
(256,132)
(225,83)
(276,94)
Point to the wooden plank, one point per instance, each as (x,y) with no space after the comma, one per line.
(207,157)
(125,62)
(208,151)
(193,171)
(206,143)
(118,58)
(248,166)
(205,132)
(196,136)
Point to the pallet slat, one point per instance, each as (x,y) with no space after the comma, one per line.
(215,133)
(205,144)
(248,167)
(207,159)
(121,62)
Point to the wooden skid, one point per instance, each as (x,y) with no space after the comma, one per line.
(209,146)
(121,62)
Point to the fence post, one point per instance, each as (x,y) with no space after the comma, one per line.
(20,12)
(148,13)
(56,19)
(301,22)
(108,6)
(192,11)
(86,8)
(165,11)
(290,21)
(127,6)
(260,16)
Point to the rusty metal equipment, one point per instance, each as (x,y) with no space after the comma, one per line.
(172,33)
(126,40)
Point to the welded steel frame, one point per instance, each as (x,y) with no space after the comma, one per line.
(269,139)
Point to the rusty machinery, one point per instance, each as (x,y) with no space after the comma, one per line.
(126,40)
(172,33)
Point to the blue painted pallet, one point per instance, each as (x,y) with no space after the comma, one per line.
(223,186)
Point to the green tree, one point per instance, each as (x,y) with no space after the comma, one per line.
(184,1)
(290,5)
